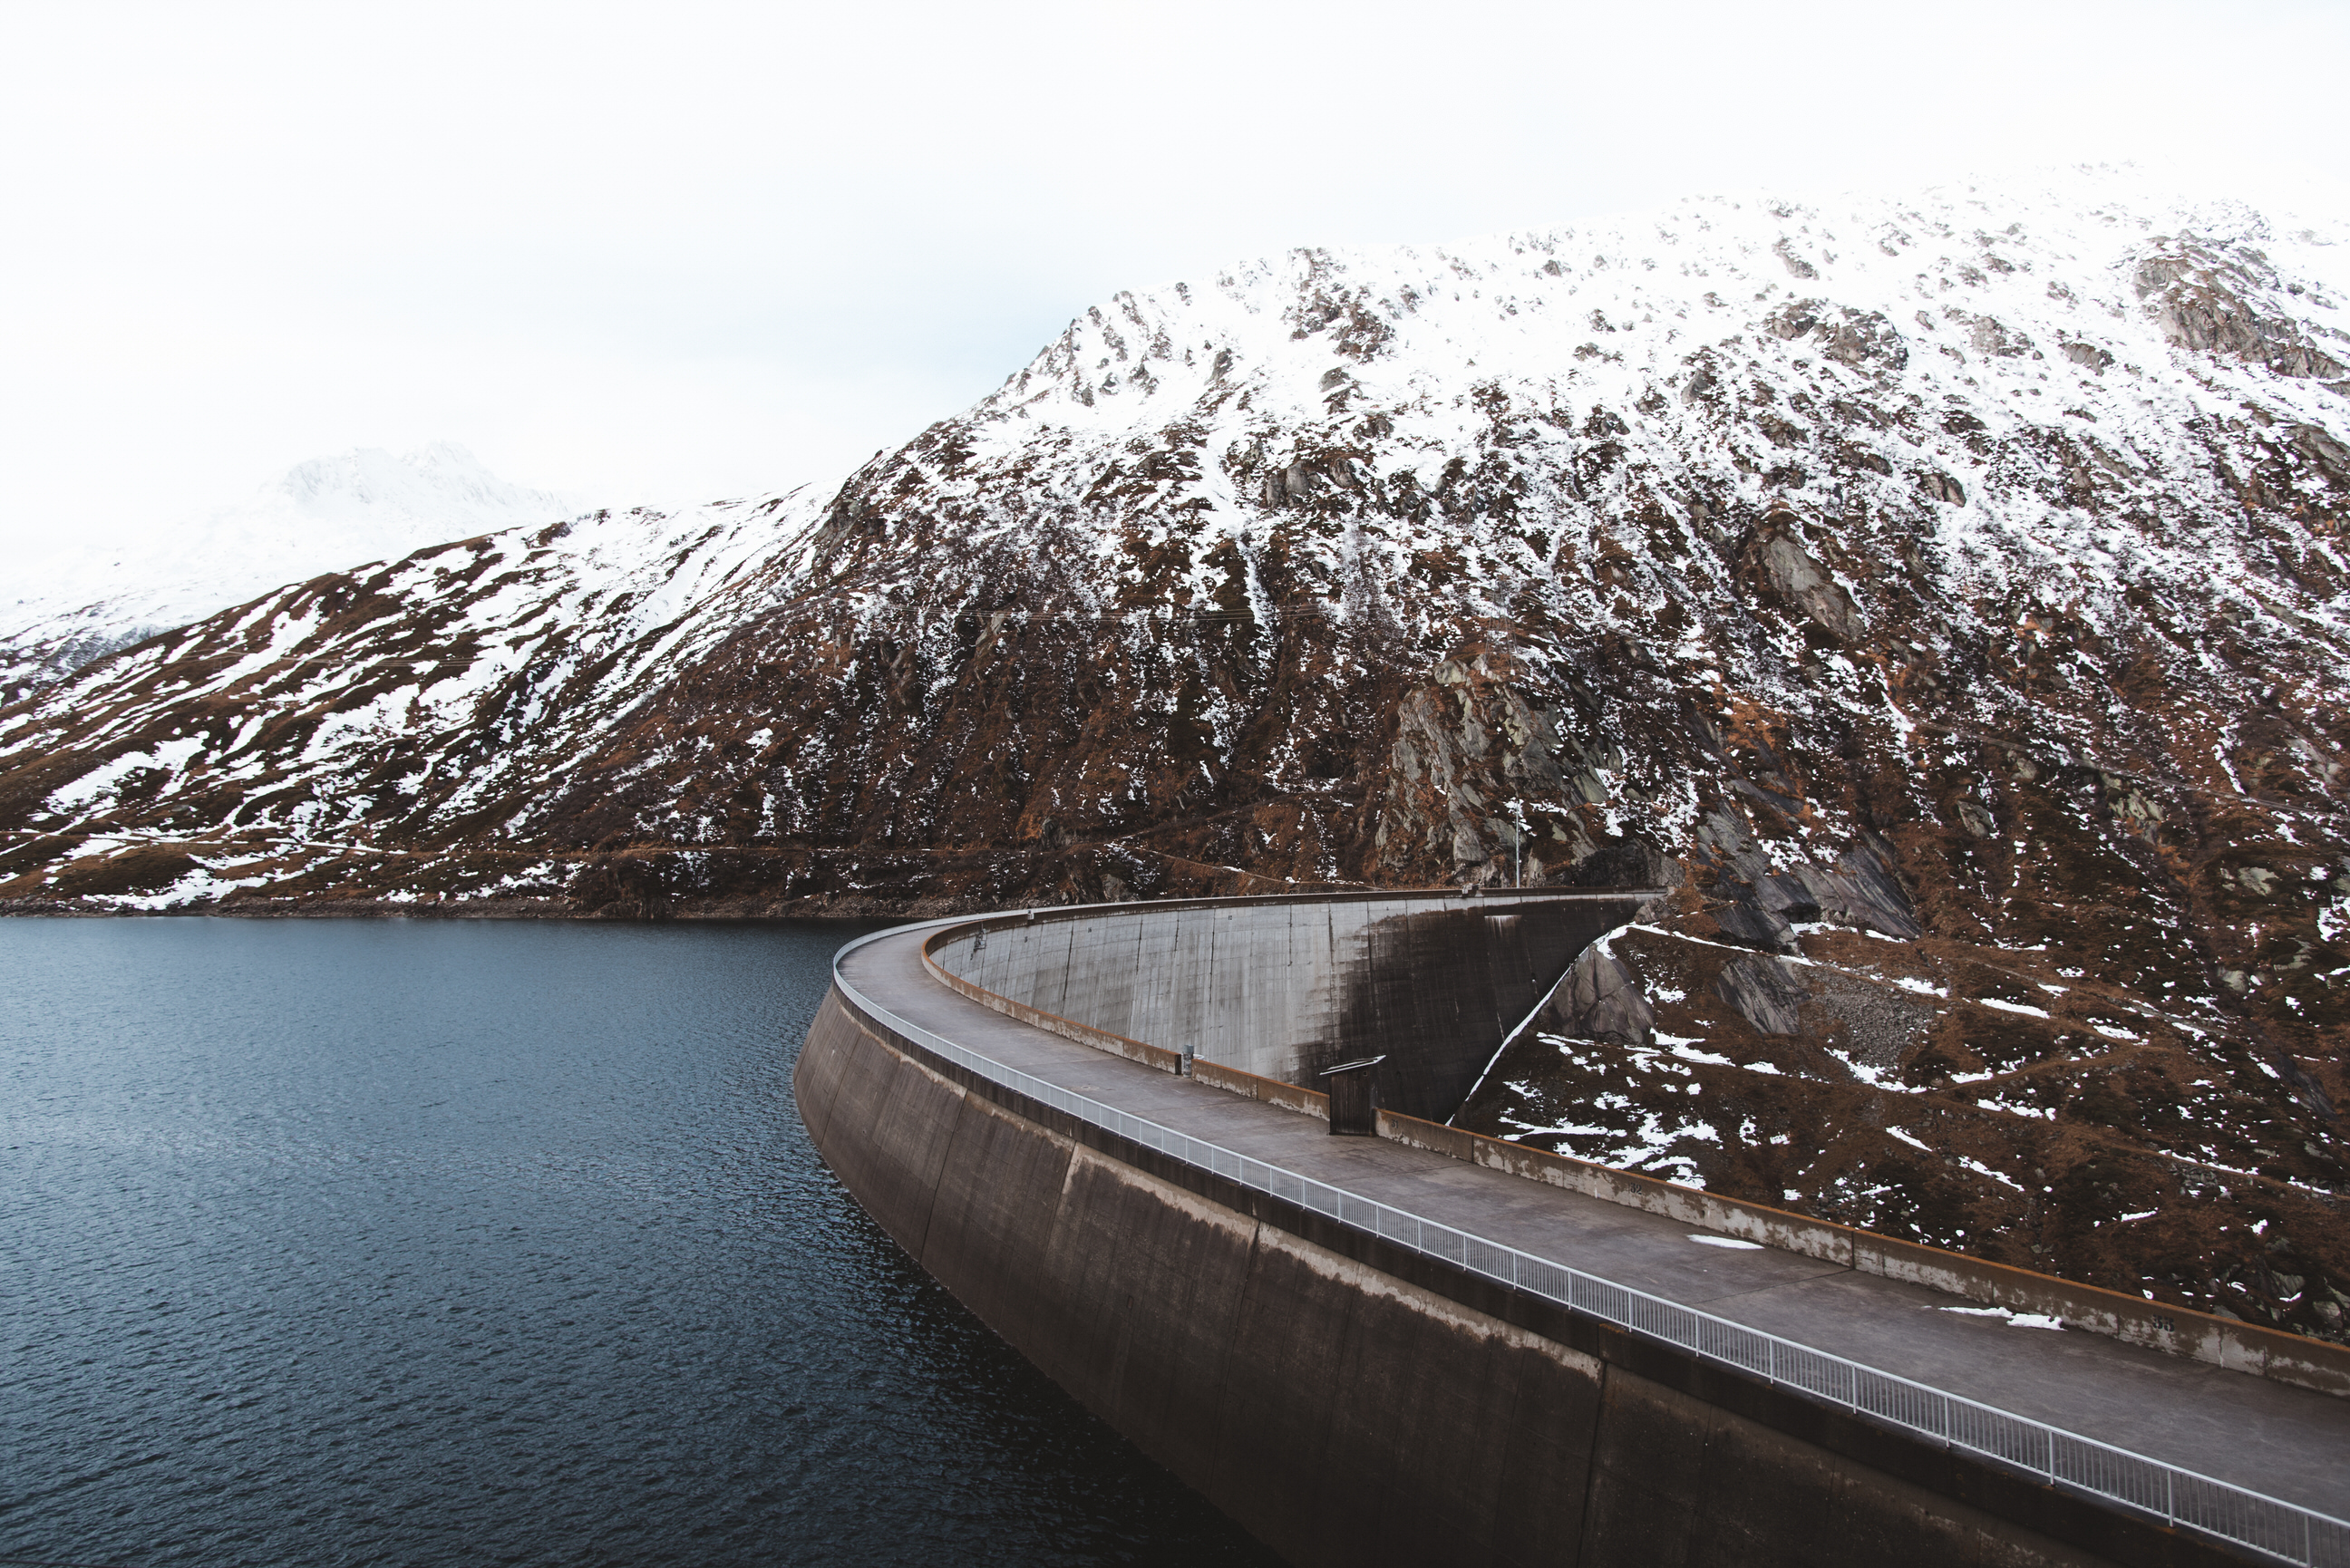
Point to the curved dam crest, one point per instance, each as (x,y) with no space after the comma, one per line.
(1349,1392)
(1281,988)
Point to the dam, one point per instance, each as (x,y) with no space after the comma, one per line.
(1097,1127)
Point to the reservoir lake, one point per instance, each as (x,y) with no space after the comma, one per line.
(466,1241)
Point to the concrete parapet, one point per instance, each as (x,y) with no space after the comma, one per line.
(1278,986)
(1150,1056)
(1272,1091)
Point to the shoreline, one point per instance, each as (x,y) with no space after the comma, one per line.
(842,910)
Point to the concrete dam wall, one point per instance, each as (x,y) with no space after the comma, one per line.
(1350,1394)
(1281,988)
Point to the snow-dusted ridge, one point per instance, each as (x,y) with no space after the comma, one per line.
(330,514)
(2022,310)
(421,675)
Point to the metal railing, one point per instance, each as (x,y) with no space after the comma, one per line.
(2282,1529)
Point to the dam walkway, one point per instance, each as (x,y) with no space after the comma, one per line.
(2274,1442)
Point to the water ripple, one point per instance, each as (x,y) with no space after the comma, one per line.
(423,1242)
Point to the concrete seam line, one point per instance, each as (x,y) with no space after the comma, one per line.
(822,1118)
(1240,1308)
(1867,1391)
(961,1100)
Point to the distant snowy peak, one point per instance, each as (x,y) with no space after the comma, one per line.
(332,513)
(328,515)
(440,483)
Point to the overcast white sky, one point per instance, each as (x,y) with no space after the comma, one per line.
(677,251)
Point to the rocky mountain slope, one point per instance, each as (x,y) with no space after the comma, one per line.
(79,604)
(1943,595)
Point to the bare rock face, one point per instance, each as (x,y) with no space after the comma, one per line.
(1765,897)
(1943,598)
(1602,999)
(2226,299)
(1765,992)
(1848,337)
(1800,582)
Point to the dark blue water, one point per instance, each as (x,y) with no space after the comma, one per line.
(445,1242)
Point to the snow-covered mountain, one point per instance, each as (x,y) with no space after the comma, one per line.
(1945,594)
(326,514)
